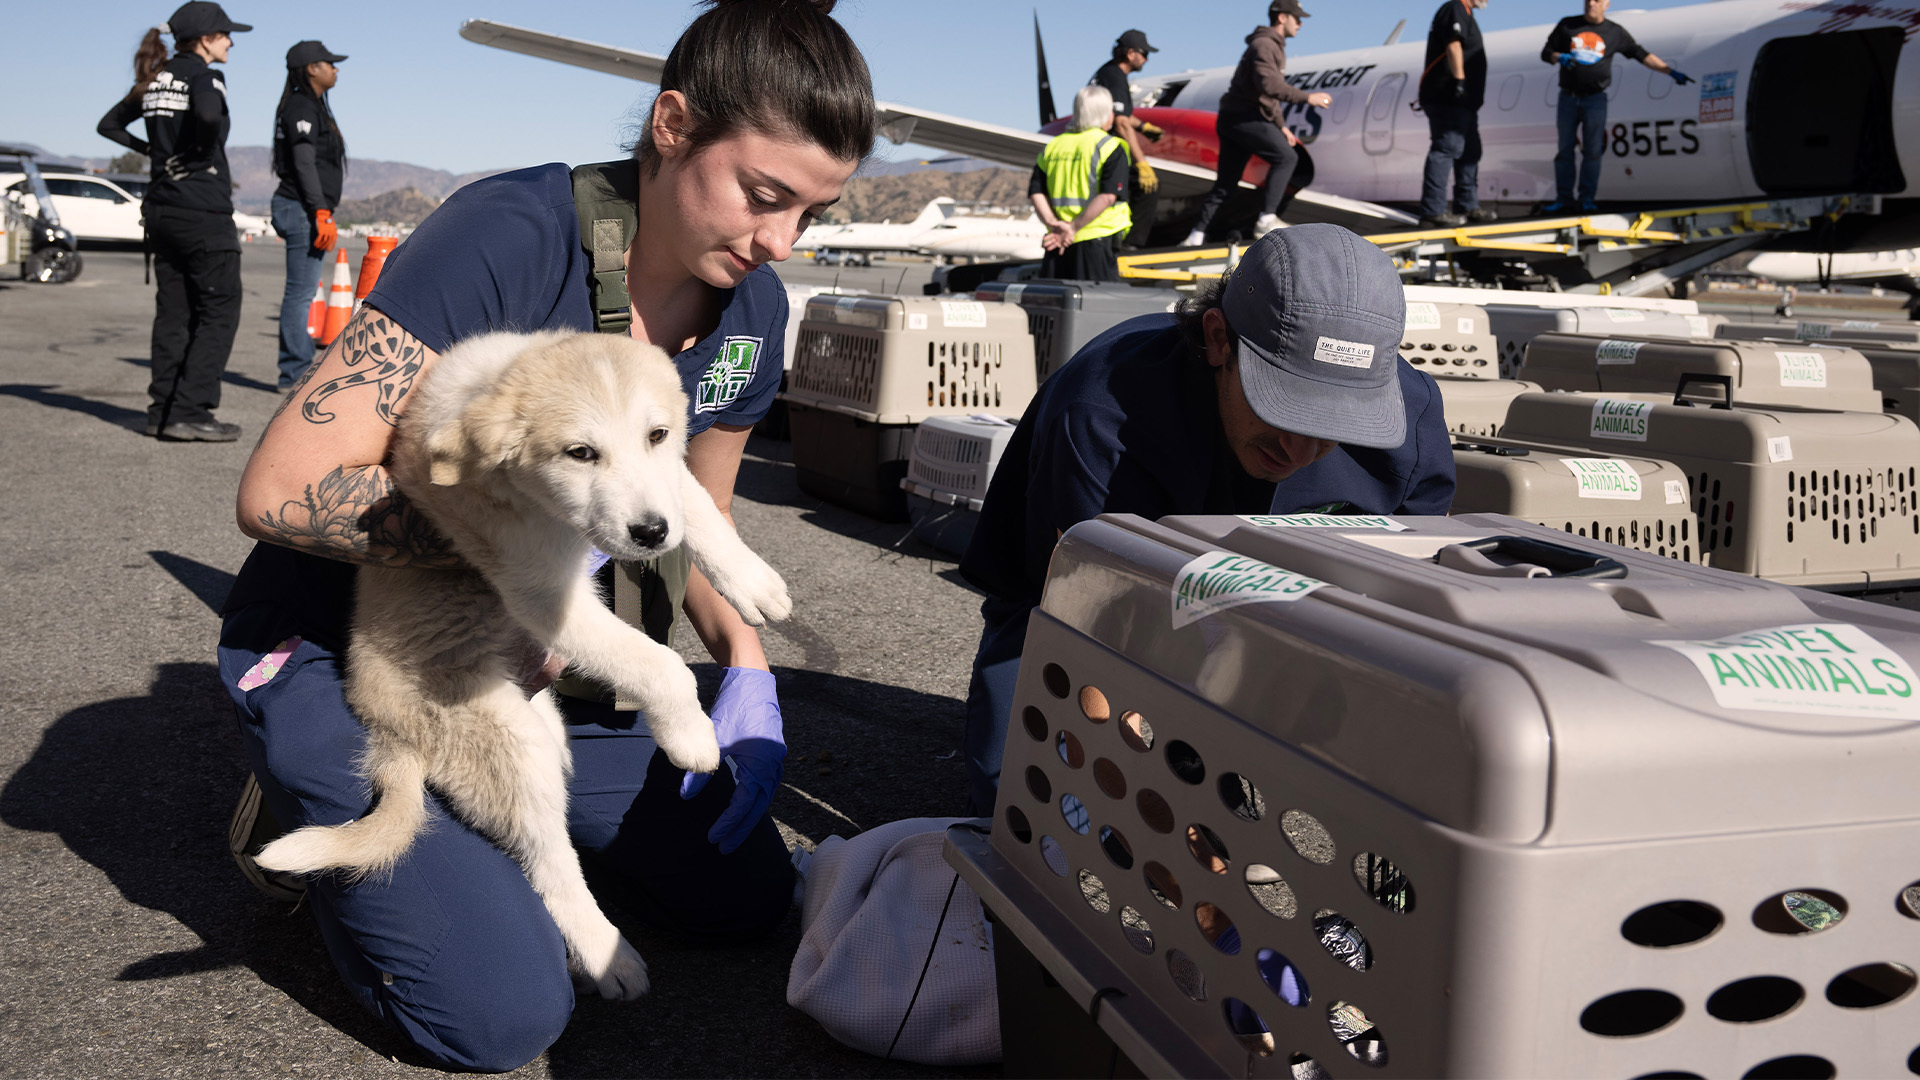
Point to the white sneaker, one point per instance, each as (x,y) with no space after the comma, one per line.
(1266,224)
(1194,239)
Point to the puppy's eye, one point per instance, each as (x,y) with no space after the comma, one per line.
(583,452)
(657,436)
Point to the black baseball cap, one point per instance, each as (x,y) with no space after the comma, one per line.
(201,18)
(311,52)
(1286,7)
(1135,39)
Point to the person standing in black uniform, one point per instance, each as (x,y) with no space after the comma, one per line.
(1452,88)
(1130,55)
(1252,121)
(188,214)
(310,158)
(1584,46)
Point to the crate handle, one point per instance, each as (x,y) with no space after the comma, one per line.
(1559,559)
(1724,382)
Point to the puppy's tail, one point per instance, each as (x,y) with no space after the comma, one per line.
(370,846)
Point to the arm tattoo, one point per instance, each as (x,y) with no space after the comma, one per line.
(395,359)
(358,515)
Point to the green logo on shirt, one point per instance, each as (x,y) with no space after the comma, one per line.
(729,374)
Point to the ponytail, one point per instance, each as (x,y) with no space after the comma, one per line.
(148,59)
(778,67)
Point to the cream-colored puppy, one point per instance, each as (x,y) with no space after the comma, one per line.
(523,450)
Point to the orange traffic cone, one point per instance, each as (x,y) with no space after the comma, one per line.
(317,311)
(339,300)
(370,264)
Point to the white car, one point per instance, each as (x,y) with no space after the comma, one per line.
(90,207)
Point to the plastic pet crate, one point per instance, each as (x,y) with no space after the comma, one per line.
(1840,331)
(1801,375)
(1457,797)
(1515,325)
(1450,339)
(869,368)
(947,475)
(1065,315)
(1631,501)
(1479,406)
(1896,374)
(1825,499)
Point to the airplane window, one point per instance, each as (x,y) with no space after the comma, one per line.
(1510,92)
(1342,105)
(1658,86)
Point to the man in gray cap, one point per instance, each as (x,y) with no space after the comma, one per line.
(1278,390)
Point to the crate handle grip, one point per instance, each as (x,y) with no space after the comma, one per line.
(1724,382)
(1559,559)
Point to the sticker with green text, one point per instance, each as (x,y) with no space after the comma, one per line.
(1323,521)
(1830,669)
(1220,580)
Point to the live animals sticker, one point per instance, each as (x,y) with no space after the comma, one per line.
(1615,314)
(1618,352)
(1802,369)
(965,313)
(1604,478)
(1220,580)
(1324,521)
(1830,669)
(1423,316)
(1625,420)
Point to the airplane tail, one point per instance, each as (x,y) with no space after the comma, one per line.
(1047,115)
(934,212)
(370,846)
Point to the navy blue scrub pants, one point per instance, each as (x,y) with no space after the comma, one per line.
(996,668)
(1589,115)
(454,950)
(1455,148)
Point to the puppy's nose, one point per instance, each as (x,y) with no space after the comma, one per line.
(649,532)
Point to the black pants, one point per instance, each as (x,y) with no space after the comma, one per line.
(196,312)
(1243,137)
(1088,260)
(1144,207)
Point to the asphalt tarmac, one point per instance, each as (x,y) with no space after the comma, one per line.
(130,945)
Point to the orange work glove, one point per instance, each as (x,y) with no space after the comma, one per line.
(325,232)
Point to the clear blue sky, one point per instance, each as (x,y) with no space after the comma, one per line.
(413,90)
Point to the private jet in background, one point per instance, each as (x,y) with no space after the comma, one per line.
(1791,98)
(1897,269)
(944,230)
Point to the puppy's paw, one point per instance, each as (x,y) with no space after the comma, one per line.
(686,736)
(618,976)
(755,590)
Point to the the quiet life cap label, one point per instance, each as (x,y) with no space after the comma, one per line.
(1830,669)
(1220,580)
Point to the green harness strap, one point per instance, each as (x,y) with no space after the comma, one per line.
(606,196)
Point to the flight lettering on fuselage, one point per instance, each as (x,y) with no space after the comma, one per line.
(1305,120)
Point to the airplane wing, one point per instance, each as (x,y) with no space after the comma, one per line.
(904,123)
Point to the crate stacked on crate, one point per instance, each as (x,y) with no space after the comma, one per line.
(1635,502)
(1824,499)
(1893,350)
(1515,325)
(1479,406)
(1805,375)
(947,476)
(1065,315)
(869,369)
(1450,341)
(1450,797)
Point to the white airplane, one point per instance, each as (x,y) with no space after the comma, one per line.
(941,230)
(1792,97)
(1897,269)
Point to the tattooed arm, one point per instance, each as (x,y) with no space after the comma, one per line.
(317,481)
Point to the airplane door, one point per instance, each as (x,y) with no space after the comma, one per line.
(1383,108)
(1829,135)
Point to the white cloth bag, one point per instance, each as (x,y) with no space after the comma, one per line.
(872,904)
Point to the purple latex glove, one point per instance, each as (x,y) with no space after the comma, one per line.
(746,719)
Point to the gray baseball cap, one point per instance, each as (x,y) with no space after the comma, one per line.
(1319,312)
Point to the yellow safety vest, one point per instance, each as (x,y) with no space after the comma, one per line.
(1072,163)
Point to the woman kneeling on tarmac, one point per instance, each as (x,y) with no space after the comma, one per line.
(765,109)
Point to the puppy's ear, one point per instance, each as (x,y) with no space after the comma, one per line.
(488,433)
